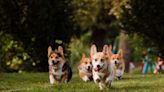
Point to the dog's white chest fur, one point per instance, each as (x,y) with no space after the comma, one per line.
(58,73)
(98,74)
(55,74)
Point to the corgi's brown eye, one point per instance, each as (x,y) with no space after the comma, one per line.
(95,59)
(85,62)
(51,56)
(102,60)
(57,57)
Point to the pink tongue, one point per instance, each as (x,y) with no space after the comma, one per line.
(96,69)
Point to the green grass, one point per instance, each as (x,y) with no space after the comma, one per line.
(39,82)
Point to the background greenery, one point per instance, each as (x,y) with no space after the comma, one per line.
(28,27)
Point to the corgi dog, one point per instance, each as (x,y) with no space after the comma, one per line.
(103,72)
(117,60)
(85,68)
(59,70)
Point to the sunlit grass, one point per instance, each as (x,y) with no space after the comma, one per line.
(39,82)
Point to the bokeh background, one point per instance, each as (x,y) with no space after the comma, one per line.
(28,27)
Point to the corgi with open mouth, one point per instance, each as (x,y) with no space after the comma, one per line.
(118,61)
(103,72)
(59,70)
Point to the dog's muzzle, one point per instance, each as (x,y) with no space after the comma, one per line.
(89,68)
(98,68)
(55,62)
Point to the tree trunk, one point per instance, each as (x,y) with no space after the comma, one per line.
(124,45)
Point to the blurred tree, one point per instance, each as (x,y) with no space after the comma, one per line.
(126,48)
(116,10)
(79,46)
(146,18)
(138,48)
(38,24)
(92,15)
(13,58)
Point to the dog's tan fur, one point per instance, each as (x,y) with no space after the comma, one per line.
(103,72)
(118,61)
(85,68)
(58,71)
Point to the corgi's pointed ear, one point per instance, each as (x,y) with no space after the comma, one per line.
(106,50)
(60,50)
(120,53)
(110,50)
(49,50)
(93,50)
(83,56)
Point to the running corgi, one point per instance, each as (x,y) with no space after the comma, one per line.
(103,72)
(85,68)
(59,70)
(117,60)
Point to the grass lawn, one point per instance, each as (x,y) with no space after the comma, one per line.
(39,82)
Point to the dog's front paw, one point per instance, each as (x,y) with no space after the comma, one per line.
(102,86)
(85,78)
(109,83)
(97,80)
(52,80)
(66,81)
(119,77)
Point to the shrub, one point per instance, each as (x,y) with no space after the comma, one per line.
(13,58)
(79,46)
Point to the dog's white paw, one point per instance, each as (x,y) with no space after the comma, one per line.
(52,80)
(86,79)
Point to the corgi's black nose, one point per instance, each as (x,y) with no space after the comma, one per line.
(115,62)
(89,67)
(98,66)
(55,62)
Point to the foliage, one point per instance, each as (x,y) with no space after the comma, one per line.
(116,7)
(145,17)
(38,82)
(13,57)
(138,48)
(33,25)
(36,24)
(78,47)
(85,12)
(92,15)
